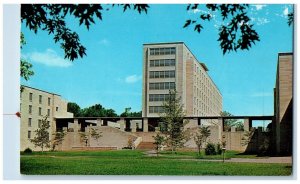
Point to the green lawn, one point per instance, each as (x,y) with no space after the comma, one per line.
(128,162)
(193,154)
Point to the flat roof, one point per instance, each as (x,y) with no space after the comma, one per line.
(40,90)
(163,43)
(285,53)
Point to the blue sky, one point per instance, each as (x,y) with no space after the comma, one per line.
(111,73)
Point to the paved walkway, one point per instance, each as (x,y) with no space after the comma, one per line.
(283,160)
(263,160)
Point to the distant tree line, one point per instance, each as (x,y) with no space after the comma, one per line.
(98,110)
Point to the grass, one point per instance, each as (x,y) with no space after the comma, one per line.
(193,154)
(129,162)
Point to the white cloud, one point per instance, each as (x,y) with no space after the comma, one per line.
(133,78)
(285,11)
(48,58)
(196,11)
(260,21)
(259,6)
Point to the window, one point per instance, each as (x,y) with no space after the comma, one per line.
(30,97)
(30,109)
(56,109)
(40,99)
(162,51)
(48,112)
(40,111)
(156,109)
(159,97)
(161,85)
(29,122)
(162,74)
(39,123)
(29,134)
(162,62)
(49,101)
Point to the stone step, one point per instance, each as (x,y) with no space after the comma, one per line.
(146,146)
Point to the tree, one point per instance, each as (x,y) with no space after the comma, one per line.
(173,117)
(58,138)
(95,133)
(25,67)
(201,136)
(41,138)
(228,123)
(74,108)
(246,139)
(236,33)
(97,110)
(51,18)
(127,113)
(159,140)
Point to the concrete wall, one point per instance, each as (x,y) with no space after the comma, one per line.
(284,103)
(111,138)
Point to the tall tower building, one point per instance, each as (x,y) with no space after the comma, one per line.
(168,66)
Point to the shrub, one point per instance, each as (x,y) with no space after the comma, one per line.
(27,151)
(210,149)
(219,149)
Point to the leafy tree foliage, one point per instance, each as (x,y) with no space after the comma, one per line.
(246,139)
(51,18)
(159,140)
(291,18)
(127,113)
(95,133)
(25,67)
(58,138)
(236,33)
(41,138)
(97,110)
(201,137)
(228,123)
(173,117)
(74,108)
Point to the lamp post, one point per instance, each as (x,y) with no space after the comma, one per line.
(223,151)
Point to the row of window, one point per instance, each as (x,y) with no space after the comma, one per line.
(162,62)
(156,109)
(162,74)
(159,97)
(29,135)
(39,122)
(163,51)
(161,85)
(40,99)
(40,110)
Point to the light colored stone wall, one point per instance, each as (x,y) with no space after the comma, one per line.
(283,98)
(55,101)
(111,138)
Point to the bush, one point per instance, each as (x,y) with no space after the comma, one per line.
(219,149)
(210,149)
(27,151)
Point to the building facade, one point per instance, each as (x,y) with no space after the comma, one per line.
(35,106)
(283,104)
(172,66)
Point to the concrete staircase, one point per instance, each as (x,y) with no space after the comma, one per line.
(146,146)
